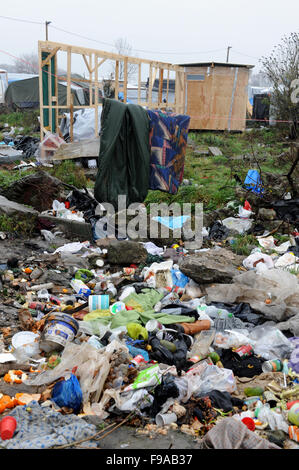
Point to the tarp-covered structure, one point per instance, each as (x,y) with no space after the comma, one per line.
(23,94)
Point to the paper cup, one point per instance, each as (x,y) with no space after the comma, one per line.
(164,419)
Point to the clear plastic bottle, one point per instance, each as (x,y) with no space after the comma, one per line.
(202,343)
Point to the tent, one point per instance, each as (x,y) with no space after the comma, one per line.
(25,94)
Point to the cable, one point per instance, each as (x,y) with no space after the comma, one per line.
(137,50)
(19,19)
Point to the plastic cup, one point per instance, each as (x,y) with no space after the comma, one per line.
(7,427)
(164,419)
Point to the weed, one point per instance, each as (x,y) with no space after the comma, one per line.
(243,244)
(69,173)
(20,224)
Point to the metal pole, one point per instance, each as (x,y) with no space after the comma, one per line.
(227,55)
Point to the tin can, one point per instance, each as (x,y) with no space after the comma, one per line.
(244,351)
(129,271)
(153,326)
(294,433)
(272,366)
(138,360)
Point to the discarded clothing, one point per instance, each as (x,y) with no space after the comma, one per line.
(232,434)
(168,141)
(124,159)
(43,428)
(241,367)
(224,401)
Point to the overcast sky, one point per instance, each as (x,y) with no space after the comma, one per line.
(172,31)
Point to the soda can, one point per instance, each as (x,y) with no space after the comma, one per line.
(272,366)
(294,433)
(138,360)
(244,351)
(129,271)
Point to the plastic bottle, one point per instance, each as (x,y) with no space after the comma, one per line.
(202,343)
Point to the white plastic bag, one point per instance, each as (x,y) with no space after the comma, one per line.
(258,261)
(239,225)
(271,343)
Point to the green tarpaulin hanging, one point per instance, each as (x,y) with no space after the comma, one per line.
(124,159)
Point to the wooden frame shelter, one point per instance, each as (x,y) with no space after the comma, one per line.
(50,108)
(216,95)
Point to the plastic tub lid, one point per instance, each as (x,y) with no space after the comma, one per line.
(22,338)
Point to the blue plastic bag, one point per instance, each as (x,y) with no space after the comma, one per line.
(68,393)
(253,181)
(179,279)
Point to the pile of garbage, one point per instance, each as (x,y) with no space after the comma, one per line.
(118,331)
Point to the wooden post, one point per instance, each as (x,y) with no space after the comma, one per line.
(96,98)
(160,95)
(116,79)
(56,95)
(139,83)
(125,78)
(72,119)
(150,86)
(90,78)
(41,101)
(50,96)
(69,65)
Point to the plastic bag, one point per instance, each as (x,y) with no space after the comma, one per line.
(258,261)
(239,225)
(232,339)
(68,393)
(271,343)
(276,421)
(146,378)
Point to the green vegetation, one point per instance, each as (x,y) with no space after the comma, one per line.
(69,173)
(26,119)
(18,224)
(212,178)
(243,244)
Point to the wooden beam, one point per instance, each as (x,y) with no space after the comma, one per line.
(150,85)
(69,65)
(108,55)
(96,100)
(86,63)
(160,94)
(139,83)
(125,78)
(41,101)
(116,80)
(47,60)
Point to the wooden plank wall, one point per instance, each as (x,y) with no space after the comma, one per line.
(92,62)
(219,101)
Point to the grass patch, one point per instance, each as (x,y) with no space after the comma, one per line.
(18,224)
(243,244)
(69,173)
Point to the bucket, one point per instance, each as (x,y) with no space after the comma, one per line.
(98,302)
(59,330)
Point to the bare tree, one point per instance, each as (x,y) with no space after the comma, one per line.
(282,69)
(26,63)
(124,48)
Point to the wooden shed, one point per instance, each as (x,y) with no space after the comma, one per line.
(216,95)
